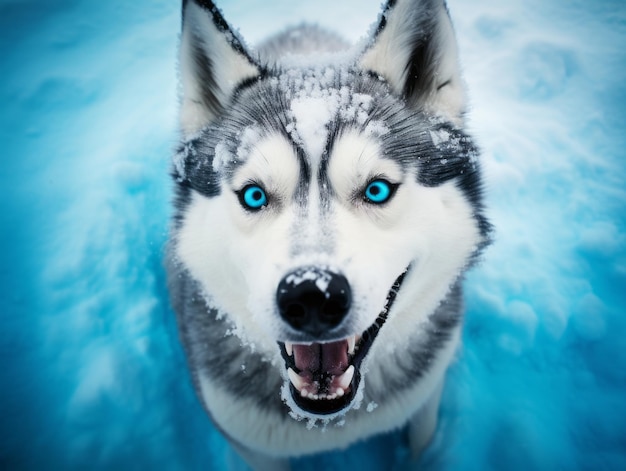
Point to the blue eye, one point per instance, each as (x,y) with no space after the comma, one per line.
(379,191)
(253,197)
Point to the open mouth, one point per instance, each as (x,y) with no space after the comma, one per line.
(324,377)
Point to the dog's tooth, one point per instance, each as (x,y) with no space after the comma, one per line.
(304,393)
(296,379)
(289,348)
(339,392)
(345,379)
(351,344)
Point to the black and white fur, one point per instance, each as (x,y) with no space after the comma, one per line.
(314,135)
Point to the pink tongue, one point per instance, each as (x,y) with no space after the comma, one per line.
(331,358)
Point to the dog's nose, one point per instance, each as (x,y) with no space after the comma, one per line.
(313,300)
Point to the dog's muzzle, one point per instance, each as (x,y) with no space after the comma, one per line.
(324,375)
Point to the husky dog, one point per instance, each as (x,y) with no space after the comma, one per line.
(327,207)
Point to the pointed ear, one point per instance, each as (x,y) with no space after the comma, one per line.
(414,49)
(213,62)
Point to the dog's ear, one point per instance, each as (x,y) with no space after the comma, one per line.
(213,62)
(415,50)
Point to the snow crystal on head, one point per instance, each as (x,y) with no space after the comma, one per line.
(222,157)
(439,137)
(452,141)
(180,157)
(225,156)
(249,137)
(311,115)
(319,96)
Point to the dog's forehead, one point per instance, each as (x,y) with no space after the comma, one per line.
(323,99)
(309,107)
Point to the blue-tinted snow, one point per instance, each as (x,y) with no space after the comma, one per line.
(92,374)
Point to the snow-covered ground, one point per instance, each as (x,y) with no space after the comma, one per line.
(92,374)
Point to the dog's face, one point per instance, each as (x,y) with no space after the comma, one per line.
(319,208)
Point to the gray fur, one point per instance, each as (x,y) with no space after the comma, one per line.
(302,40)
(431,150)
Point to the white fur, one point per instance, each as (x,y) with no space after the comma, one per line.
(234,68)
(239,257)
(227,248)
(390,53)
(431,229)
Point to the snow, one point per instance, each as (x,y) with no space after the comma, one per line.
(320,96)
(440,137)
(321,278)
(312,115)
(93,376)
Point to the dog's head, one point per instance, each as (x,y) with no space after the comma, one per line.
(319,203)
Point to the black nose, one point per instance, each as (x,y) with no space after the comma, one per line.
(313,300)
